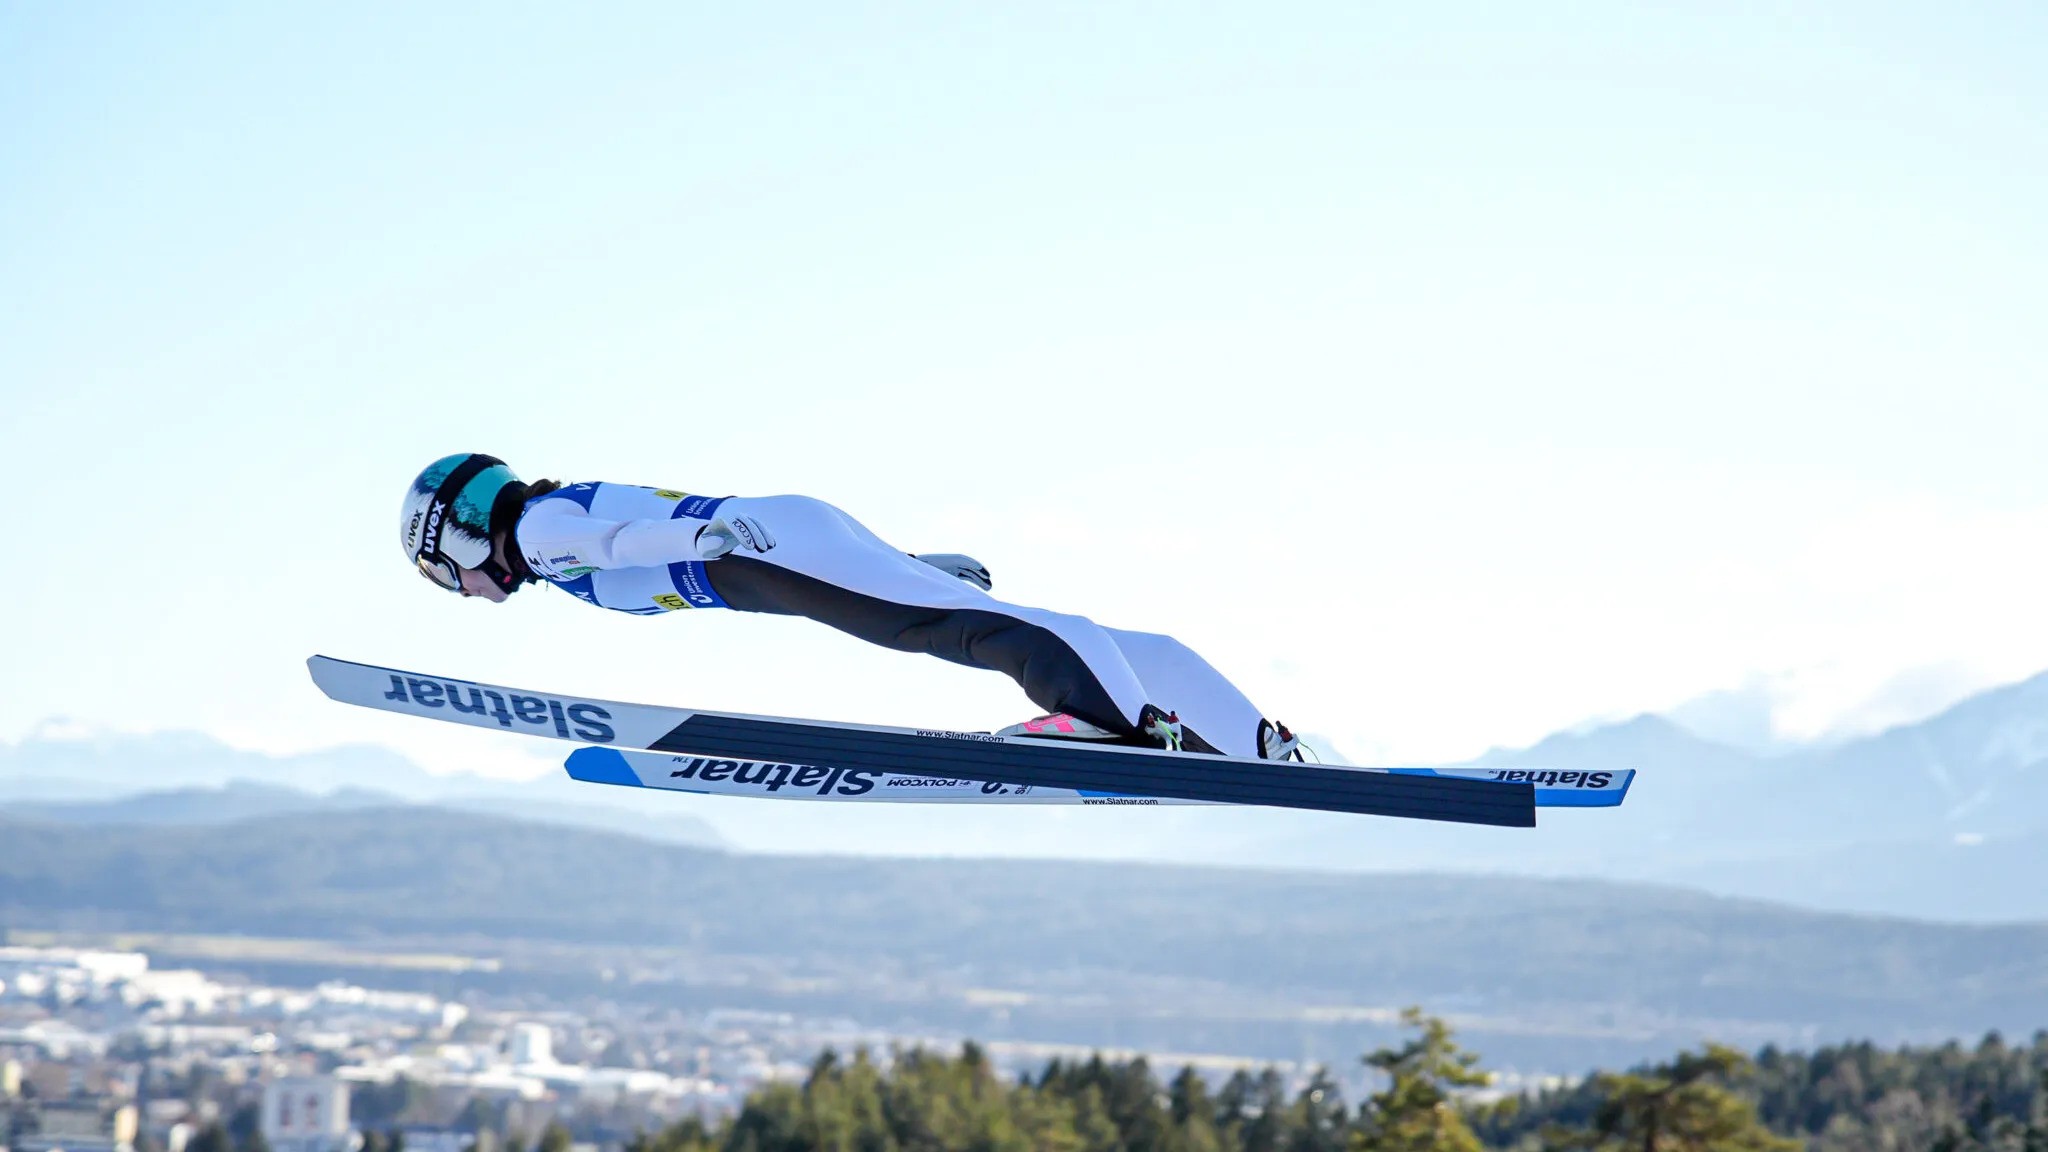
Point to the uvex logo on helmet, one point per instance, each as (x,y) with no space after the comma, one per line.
(430,541)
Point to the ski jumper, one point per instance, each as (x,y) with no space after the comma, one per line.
(633,549)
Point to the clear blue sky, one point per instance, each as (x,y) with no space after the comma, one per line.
(1448,373)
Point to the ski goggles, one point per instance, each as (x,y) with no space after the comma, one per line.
(446,574)
(442,571)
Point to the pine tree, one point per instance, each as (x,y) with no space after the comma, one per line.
(1416,1111)
(1193,1114)
(1682,1106)
(1318,1120)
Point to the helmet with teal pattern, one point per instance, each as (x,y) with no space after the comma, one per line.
(450,510)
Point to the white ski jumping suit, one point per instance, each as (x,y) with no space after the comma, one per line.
(634,549)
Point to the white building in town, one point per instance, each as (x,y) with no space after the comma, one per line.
(532,1044)
(306,1114)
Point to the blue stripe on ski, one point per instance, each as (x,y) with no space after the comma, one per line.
(602,766)
(1553,794)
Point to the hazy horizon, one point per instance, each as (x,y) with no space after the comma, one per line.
(1449,378)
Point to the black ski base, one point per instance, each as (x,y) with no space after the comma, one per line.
(1129,772)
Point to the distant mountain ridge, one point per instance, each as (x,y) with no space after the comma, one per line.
(186,778)
(1979,767)
(235,800)
(98,766)
(1527,964)
(1964,793)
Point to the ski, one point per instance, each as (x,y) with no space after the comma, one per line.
(713,776)
(928,752)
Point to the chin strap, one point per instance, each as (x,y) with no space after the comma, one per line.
(505,513)
(506,580)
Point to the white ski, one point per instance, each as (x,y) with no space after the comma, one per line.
(1017,761)
(714,776)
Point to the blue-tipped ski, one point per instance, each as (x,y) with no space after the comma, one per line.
(1555,787)
(713,776)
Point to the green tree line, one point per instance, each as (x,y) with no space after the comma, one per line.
(1430,1096)
(1992,1097)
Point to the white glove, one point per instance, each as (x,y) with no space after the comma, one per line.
(727,533)
(965,567)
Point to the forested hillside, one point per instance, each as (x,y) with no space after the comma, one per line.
(1849,1098)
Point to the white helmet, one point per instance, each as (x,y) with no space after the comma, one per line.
(445,524)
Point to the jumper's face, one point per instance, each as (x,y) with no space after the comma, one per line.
(449,575)
(475,583)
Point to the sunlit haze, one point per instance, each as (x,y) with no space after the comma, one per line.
(1448,375)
